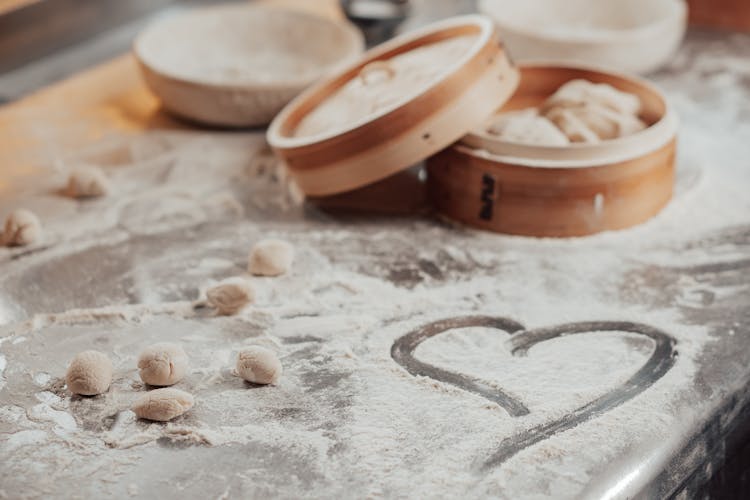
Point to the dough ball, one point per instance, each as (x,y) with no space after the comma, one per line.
(22,227)
(259,365)
(164,363)
(89,373)
(230,296)
(87,182)
(574,128)
(527,127)
(580,92)
(163,404)
(271,258)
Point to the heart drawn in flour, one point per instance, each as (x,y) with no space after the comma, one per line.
(521,340)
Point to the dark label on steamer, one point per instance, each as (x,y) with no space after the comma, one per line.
(487,199)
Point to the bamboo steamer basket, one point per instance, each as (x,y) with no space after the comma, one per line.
(472,176)
(572,190)
(363,148)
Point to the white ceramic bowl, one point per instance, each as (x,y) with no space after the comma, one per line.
(635,36)
(238,64)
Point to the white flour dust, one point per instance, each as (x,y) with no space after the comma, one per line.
(346,420)
(382,86)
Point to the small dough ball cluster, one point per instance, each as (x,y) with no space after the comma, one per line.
(89,374)
(87,182)
(162,364)
(271,258)
(259,365)
(163,404)
(22,227)
(230,296)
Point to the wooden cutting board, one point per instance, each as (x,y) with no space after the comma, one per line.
(107,99)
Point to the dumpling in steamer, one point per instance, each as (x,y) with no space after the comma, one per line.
(610,124)
(579,92)
(573,127)
(592,123)
(589,112)
(527,127)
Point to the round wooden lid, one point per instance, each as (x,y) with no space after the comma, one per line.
(402,102)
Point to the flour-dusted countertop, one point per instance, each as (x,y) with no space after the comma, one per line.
(602,366)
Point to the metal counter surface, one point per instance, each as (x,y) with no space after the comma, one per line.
(657,315)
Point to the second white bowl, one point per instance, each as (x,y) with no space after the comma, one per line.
(635,36)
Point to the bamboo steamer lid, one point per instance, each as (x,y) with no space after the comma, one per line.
(404,101)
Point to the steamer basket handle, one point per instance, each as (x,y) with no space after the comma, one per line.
(376,67)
